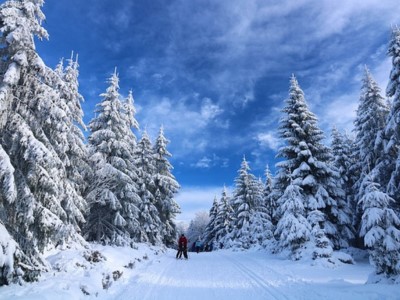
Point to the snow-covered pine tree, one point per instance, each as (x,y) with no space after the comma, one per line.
(15,266)
(210,231)
(380,227)
(78,168)
(33,128)
(370,121)
(322,245)
(307,161)
(262,228)
(293,230)
(369,124)
(149,218)
(387,170)
(342,161)
(243,202)
(245,199)
(270,203)
(224,219)
(197,226)
(129,116)
(131,212)
(113,194)
(166,187)
(69,140)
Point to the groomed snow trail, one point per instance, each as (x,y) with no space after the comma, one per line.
(246,275)
(215,275)
(219,275)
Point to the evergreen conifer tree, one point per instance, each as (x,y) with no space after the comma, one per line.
(246,200)
(42,208)
(380,228)
(369,123)
(368,126)
(269,200)
(210,231)
(166,187)
(293,230)
(72,149)
(262,228)
(224,219)
(307,162)
(149,219)
(113,194)
(129,113)
(387,169)
(342,161)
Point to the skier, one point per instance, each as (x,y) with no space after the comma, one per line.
(198,245)
(182,247)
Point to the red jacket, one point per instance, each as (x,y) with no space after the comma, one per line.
(182,242)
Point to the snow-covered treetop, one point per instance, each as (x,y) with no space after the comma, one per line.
(130,111)
(21,20)
(394,52)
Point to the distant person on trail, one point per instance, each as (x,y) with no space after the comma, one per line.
(198,245)
(182,247)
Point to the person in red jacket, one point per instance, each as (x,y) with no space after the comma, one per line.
(182,247)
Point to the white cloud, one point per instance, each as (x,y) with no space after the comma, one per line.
(340,112)
(203,163)
(183,123)
(269,140)
(210,110)
(381,74)
(226,48)
(207,162)
(123,17)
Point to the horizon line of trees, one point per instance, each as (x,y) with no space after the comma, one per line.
(323,198)
(56,188)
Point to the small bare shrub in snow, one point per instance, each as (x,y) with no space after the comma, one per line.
(117,275)
(106,281)
(130,265)
(84,290)
(94,256)
(79,265)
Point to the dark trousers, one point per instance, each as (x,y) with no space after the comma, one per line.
(182,250)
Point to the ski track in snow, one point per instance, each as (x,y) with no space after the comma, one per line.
(206,276)
(219,275)
(233,276)
(258,282)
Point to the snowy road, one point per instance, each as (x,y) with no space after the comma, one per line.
(203,276)
(227,275)
(218,275)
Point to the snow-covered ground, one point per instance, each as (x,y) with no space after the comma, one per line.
(154,273)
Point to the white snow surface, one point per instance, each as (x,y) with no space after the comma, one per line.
(221,274)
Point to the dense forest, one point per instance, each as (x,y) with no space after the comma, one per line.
(56,188)
(59,189)
(323,199)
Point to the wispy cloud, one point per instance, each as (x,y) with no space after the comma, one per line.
(212,72)
(269,140)
(186,124)
(207,162)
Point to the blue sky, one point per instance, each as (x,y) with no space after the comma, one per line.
(215,74)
